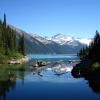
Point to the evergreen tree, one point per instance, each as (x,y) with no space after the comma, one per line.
(8,42)
(0,34)
(21,47)
(93,51)
(7,37)
(4,22)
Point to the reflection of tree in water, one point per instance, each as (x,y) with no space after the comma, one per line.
(93,77)
(6,85)
(95,84)
(8,77)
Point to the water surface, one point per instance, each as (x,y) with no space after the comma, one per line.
(28,83)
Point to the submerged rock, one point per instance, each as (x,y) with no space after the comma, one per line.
(40,63)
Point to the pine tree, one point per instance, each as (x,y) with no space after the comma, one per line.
(0,33)
(8,41)
(4,21)
(7,37)
(21,47)
(93,51)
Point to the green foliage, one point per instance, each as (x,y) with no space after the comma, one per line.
(21,47)
(93,51)
(96,65)
(2,57)
(8,47)
(8,72)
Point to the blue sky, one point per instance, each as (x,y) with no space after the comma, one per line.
(77,18)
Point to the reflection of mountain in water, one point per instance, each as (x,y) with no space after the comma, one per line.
(65,78)
(52,73)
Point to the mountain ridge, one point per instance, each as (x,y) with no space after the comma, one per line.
(57,44)
(62,39)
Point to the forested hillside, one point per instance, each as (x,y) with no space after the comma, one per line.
(8,47)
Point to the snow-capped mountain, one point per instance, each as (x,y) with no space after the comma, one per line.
(61,39)
(57,44)
(86,41)
(41,39)
(64,39)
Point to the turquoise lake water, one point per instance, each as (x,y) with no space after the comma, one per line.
(48,56)
(43,83)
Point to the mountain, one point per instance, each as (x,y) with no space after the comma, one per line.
(32,45)
(63,39)
(86,41)
(58,44)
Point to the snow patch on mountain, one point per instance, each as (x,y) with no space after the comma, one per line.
(64,39)
(61,39)
(84,40)
(41,39)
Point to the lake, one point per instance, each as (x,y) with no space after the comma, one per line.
(24,82)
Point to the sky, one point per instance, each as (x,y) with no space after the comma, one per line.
(76,18)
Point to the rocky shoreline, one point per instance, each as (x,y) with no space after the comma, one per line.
(19,61)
